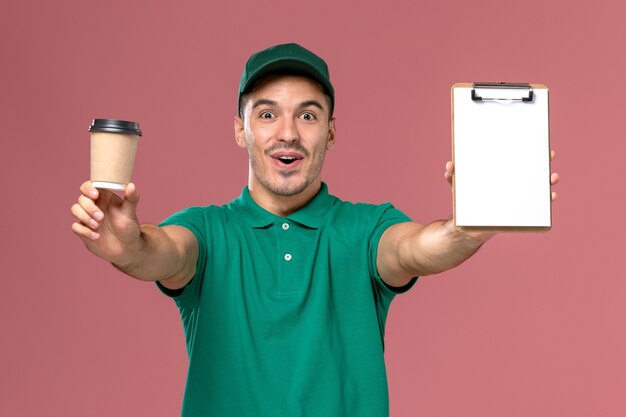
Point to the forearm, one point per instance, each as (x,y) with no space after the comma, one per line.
(410,249)
(438,247)
(154,256)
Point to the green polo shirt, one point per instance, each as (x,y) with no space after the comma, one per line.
(286,316)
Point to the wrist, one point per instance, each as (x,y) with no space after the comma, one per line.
(130,254)
(479,238)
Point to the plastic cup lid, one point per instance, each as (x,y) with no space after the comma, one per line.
(115,126)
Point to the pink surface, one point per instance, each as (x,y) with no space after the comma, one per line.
(532,326)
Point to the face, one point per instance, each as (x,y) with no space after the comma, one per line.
(287,129)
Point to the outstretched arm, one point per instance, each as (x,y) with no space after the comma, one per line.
(411,249)
(407,250)
(108,225)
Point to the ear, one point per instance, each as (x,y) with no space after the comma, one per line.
(331,134)
(240,136)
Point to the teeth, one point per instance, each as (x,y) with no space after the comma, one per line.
(287,159)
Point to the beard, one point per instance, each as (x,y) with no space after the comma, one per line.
(287,187)
(290,183)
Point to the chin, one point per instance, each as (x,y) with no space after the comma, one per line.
(288,188)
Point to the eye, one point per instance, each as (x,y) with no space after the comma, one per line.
(266,115)
(307,116)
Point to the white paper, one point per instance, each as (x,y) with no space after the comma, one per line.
(502,161)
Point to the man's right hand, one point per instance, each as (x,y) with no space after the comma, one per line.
(106,222)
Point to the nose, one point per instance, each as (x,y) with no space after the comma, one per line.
(288,131)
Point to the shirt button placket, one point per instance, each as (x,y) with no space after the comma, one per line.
(287,256)
(286,249)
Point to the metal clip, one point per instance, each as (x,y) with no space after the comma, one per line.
(502,91)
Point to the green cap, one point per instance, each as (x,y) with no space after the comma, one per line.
(289,57)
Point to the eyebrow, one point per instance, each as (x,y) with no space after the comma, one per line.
(312,103)
(268,102)
(264,102)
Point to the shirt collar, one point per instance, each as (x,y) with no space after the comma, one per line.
(313,212)
(309,216)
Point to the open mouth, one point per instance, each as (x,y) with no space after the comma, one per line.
(287,159)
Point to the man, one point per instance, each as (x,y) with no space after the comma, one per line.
(283,292)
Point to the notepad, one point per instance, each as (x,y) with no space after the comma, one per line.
(501,154)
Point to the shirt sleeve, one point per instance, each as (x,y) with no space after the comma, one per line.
(388,215)
(193,219)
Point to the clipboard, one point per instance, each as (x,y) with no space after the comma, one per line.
(501,154)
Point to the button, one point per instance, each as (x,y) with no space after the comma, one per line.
(285,226)
(287,257)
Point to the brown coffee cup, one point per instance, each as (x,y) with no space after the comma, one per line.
(113,150)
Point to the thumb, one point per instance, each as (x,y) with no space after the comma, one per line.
(449,172)
(131,199)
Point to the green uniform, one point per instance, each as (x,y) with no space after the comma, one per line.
(286,316)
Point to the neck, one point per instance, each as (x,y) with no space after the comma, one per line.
(280,205)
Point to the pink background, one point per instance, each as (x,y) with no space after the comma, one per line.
(534,325)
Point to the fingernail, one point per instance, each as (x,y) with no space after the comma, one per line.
(93,193)
(95,235)
(98,215)
(93,223)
